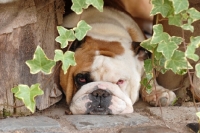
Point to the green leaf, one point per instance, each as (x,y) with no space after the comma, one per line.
(182,72)
(167,49)
(27,95)
(40,62)
(184,16)
(177,62)
(147,45)
(161,6)
(158,55)
(148,66)
(180,5)
(81,29)
(78,6)
(198,114)
(194,14)
(67,59)
(159,35)
(175,20)
(145,82)
(177,40)
(159,63)
(197,70)
(190,53)
(96,3)
(64,36)
(195,41)
(15,90)
(188,27)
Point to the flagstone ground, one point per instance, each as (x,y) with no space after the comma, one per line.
(145,119)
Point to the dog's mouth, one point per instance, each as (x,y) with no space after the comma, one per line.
(100,98)
(100,111)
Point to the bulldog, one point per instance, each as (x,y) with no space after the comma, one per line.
(110,65)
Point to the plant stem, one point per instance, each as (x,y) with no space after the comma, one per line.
(189,73)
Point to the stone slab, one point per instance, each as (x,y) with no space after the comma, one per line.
(32,122)
(147,129)
(105,121)
(175,114)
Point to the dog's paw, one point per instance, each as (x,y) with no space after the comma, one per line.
(161,97)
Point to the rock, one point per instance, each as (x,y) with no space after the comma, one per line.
(32,122)
(147,129)
(105,121)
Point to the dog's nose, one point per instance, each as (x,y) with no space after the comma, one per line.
(100,93)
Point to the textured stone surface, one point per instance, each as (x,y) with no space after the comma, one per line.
(27,123)
(176,114)
(105,121)
(148,129)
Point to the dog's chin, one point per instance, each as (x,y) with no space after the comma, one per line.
(99,111)
(100,98)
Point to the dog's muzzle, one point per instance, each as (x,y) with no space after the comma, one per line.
(100,98)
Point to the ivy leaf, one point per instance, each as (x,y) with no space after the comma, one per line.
(188,27)
(67,59)
(96,3)
(145,82)
(197,70)
(190,53)
(184,15)
(81,29)
(161,6)
(167,49)
(64,36)
(198,114)
(177,40)
(195,41)
(40,62)
(15,89)
(78,6)
(180,5)
(161,64)
(175,20)
(182,72)
(147,45)
(159,35)
(177,62)
(148,66)
(194,14)
(27,95)
(158,55)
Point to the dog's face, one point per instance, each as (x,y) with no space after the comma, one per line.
(106,79)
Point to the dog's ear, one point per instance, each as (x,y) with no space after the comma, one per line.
(142,53)
(76,44)
(67,84)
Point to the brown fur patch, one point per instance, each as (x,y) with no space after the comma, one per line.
(105,48)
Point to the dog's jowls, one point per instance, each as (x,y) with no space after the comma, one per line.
(106,79)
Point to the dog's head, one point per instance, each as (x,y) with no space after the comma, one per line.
(106,79)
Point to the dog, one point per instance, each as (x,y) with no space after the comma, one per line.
(110,65)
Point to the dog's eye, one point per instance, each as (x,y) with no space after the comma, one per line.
(82,80)
(119,82)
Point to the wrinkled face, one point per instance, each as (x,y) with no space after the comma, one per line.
(106,78)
